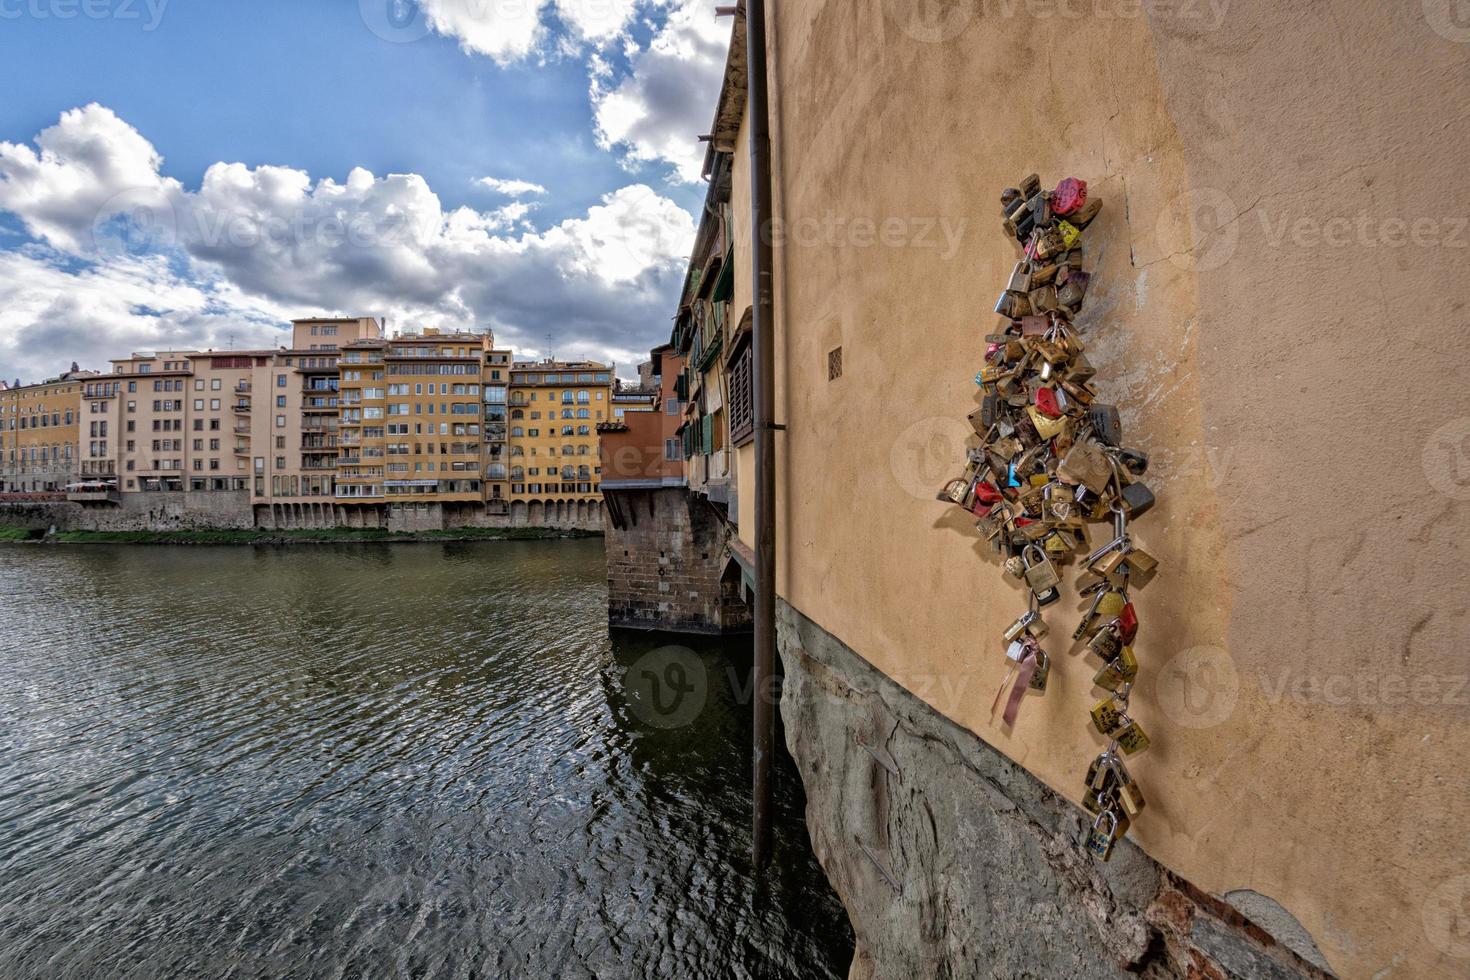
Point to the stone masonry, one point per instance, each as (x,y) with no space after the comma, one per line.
(953,861)
(667,564)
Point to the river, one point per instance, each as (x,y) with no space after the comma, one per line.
(378,760)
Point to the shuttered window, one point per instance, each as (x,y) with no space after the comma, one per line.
(742,403)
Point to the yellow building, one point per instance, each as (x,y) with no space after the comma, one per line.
(554,410)
(39,434)
(411,419)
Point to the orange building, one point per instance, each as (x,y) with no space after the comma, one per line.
(39,434)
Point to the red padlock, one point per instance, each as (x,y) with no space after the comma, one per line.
(1046,403)
(1127,623)
(1070,195)
(987,493)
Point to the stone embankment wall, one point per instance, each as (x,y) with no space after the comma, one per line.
(207,511)
(667,567)
(954,861)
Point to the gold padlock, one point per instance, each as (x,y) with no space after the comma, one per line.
(1131,738)
(1107,716)
(1111,604)
(1047,428)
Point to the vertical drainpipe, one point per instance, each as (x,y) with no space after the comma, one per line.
(765,431)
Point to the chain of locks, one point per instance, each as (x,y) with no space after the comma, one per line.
(1049,466)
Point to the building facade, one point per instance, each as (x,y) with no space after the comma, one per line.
(39,434)
(890,612)
(345,426)
(554,409)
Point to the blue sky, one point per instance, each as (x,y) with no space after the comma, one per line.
(596,103)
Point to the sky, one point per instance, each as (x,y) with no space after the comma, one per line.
(192,174)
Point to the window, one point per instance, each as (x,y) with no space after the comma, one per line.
(742,419)
(280,381)
(280,421)
(672,450)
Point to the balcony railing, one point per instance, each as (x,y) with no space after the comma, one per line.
(242,408)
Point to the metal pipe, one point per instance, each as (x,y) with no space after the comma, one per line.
(763,341)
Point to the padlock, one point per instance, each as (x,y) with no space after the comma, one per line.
(1030,185)
(1107,425)
(1083,216)
(1087,464)
(1013,632)
(1080,393)
(1141,561)
(1042,672)
(1133,461)
(1107,716)
(1046,243)
(1131,738)
(1111,604)
(1015,567)
(954,491)
(1117,672)
(1071,293)
(1020,281)
(1070,196)
(1016,651)
(1041,574)
(1034,326)
(1127,623)
(1106,643)
(1107,829)
(1012,304)
(1046,428)
(1070,235)
(1043,274)
(1137,499)
(1040,207)
(1108,563)
(1131,797)
(1081,370)
(1043,299)
(1046,403)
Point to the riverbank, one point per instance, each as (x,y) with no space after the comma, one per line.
(333,535)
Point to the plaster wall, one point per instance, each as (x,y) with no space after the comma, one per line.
(1286,350)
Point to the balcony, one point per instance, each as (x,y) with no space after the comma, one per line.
(241,408)
(243,388)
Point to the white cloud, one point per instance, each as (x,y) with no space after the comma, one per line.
(668,98)
(256,245)
(512,187)
(510,30)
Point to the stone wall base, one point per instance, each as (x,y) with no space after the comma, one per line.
(954,861)
(667,564)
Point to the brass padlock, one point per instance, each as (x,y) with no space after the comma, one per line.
(1141,561)
(1047,428)
(1042,672)
(1107,829)
(1041,574)
(1107,716)
(1087,464)
(1131,738)
(1117,672)
(1022,623)
(1106,642)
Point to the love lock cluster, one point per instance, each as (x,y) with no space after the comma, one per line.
(1051,464)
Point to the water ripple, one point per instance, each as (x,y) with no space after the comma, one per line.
(371,760)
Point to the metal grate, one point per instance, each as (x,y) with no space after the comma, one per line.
(834,364)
